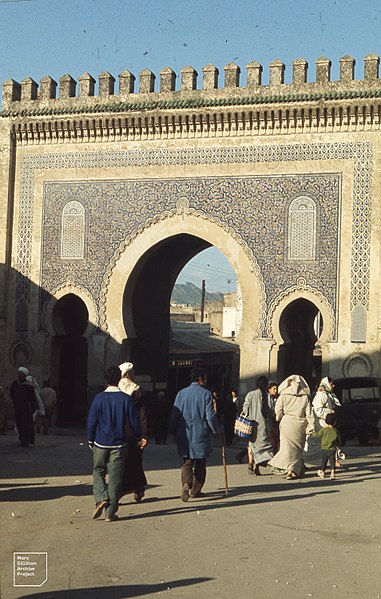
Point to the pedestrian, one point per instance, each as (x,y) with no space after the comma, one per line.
(256,407)
(238,402)
(40,406)
(49,400)
(294,413)
(229,413)
(193,421)
(25,405)
(111,411)
(325,402)
(330,441)
(272,395)
(134,478)
(217,403)
(162,415)
(3,412)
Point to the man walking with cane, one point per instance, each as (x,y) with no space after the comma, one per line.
(193,421)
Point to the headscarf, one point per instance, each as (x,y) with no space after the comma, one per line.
(23,370)
(325,387)
(294,385)
(125,367)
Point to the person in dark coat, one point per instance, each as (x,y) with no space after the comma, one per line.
(193,421)
(162,414)
(134,480)
(25,404)
(229,413)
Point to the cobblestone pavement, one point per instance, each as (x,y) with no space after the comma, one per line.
(267,538)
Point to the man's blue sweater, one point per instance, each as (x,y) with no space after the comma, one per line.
(107,419)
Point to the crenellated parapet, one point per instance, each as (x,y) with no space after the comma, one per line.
(215,104)
(70,96)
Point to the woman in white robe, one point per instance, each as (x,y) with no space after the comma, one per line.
(325,402)
(294,413)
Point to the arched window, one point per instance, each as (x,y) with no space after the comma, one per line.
(302,229)
(73,231)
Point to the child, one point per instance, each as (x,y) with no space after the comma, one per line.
(330,440)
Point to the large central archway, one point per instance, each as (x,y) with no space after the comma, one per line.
(146,269)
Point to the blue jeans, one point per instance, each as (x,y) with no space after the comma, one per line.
(111,462)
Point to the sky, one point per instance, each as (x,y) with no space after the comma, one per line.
(55,37)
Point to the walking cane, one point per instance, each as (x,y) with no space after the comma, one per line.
(224,462)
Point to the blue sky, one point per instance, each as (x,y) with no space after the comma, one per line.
(54,37)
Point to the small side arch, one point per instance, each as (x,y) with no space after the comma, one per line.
(84,296)
(281,303)
(301,326)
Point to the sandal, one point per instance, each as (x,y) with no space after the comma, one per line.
(291,476)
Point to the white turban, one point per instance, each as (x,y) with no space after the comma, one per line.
(125,367)
(23,370)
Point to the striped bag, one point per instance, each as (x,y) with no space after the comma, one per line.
(243,426)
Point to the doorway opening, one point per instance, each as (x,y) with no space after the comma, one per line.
(69,359)
(300,325)
(164,349)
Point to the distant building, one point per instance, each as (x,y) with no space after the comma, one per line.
(221,315)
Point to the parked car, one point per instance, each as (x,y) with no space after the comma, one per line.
(360,411)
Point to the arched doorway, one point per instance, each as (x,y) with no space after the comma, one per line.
(146,312)
(69,359)
(300,325)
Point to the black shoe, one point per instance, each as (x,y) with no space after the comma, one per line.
(196,495)
(138,496)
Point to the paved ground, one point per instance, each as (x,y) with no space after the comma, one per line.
(268,538)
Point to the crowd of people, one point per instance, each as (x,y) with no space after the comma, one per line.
(289,432)
(283,418)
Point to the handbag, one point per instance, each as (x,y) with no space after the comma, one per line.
(244,426)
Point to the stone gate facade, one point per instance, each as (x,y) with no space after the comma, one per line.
(107,196)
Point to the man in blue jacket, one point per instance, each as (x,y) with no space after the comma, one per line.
(108,416)
(193,421)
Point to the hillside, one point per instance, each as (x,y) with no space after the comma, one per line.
(189,293)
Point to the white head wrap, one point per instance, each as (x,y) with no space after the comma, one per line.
(294,385)
(23,370)
(125,367)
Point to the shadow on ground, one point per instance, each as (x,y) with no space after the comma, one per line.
(117,592)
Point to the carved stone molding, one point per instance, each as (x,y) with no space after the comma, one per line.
(182,207)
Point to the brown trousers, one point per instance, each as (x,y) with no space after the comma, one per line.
(193,473)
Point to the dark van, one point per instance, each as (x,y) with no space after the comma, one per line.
(360,412)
